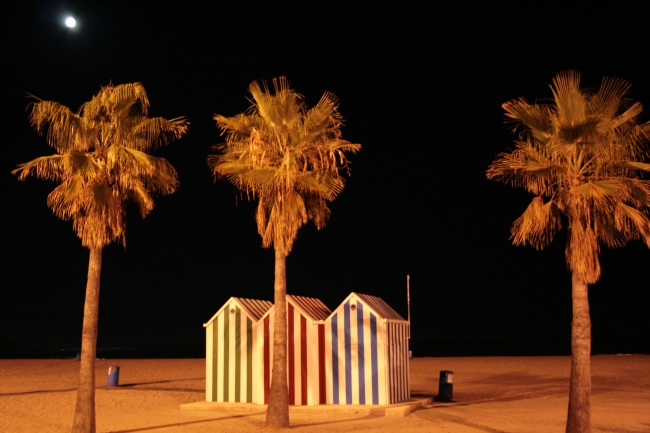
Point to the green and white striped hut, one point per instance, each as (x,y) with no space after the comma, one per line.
(229,359)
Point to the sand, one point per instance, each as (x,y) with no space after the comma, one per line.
(491,394)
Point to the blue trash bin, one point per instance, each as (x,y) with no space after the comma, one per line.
(446,386)
(113,375)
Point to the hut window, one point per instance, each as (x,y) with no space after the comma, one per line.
(353,307)
(232,311)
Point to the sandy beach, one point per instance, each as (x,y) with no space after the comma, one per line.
(491,394)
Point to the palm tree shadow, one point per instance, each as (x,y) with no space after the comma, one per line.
(132,384)
(363,418)
(178,424)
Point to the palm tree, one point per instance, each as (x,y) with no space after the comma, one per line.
(581,157)
(289,158)
(101,162)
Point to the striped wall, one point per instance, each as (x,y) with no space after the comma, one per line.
(355,356)
(398,362)
(305,363)
(229,340)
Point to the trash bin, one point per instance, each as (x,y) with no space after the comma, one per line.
(113,375)
(445,386)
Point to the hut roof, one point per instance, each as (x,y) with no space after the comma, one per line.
(253,308)
(310,307)
(379,305)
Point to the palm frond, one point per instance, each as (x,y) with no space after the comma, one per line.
(578,131)
(631,221)
(535,117)
(606,103)
(151,133)
(597,189)
(49,167)
(538,224)
(569,99)
(633,165)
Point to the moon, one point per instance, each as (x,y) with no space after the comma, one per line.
(70,22)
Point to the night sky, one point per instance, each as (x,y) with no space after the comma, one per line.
(420,89)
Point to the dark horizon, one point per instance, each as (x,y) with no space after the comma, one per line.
(420,89)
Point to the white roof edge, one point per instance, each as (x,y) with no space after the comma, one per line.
(239,303)
(381,316)
(206,324)
(302,310)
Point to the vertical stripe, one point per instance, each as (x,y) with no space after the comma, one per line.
(216,360)
(348,354)
(219,370)
(396,361)
(367,355)
(303,358)
(375,369)
(267,375)
(258,362)
(382,361)
(341,360)
(249,360)
(290,331)
(335,360)
(354,357)
(322,393)
(209,360)
(405,351)
(231,358)
(391,364)
(408,365)
(405,357)
(360,349)
(237,354)
(226,355)
(217,357)
(329,362)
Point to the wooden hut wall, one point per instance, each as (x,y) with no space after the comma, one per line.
(229,339)
(398,362)
(355,356)
(305,361)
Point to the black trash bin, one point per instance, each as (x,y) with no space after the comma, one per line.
(113,375)
(445,386)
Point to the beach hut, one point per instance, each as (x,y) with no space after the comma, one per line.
(305,351)
(366,353)
(230,363)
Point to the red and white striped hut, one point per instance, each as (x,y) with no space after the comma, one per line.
(230,361)
(305,352)
(366,353)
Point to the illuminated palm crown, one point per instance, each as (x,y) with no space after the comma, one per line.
(101,160)
(287,156)
(582,153)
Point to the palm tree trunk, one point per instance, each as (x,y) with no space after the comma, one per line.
(579,417)
(277,414)
(84,414)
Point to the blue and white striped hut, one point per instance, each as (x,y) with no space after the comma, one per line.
(230,362)
(366,353)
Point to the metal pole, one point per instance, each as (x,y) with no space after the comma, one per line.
(408,361)
(408,296)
